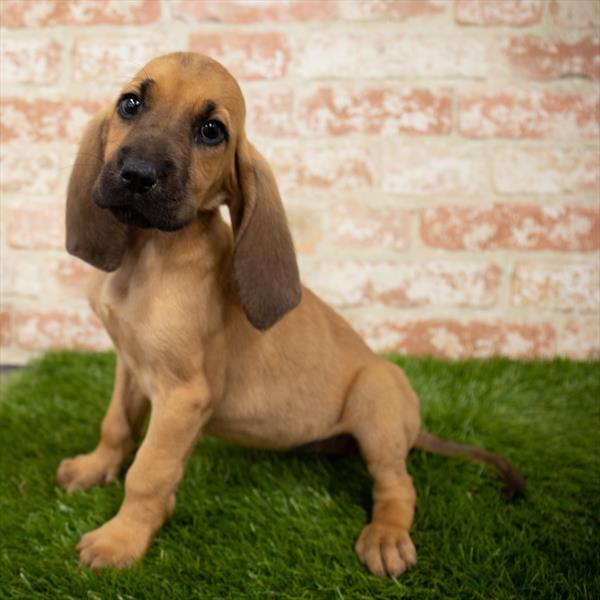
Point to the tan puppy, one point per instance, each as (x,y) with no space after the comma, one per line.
(212,328)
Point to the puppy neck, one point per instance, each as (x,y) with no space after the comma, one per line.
(203,241)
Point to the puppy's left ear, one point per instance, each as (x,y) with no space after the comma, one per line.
(93,233)
(264,261)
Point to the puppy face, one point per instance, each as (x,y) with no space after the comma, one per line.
(173,144)
(170,142)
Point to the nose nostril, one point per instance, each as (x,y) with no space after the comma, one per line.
(148,181)
(138,175)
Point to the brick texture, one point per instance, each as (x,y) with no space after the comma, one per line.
(46,120)
(439,160)
(575,13)
(337,110)
(391,54)
(45,329)
(448,283)
(30,60)
(398,10)
(16,13)
(523,227)
(228,11)
(546,58)
(517,13)
(5,329)
(37,226)
(355,225)
(532,115)
(260,55)
(558,170)
(458,339)
(426,169)
(563,287)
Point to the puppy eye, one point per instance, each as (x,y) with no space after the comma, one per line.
(129,106)
(211,133)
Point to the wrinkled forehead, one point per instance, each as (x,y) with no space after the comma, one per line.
(192,80)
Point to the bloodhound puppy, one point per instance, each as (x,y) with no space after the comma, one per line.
(213,330)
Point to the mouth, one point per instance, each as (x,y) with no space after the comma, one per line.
(129,216)
(155,210)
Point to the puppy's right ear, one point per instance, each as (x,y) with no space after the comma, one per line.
(93,233)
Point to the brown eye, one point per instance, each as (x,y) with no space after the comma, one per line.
(129,106)
(211,133)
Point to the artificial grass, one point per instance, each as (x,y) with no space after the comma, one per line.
(252,524)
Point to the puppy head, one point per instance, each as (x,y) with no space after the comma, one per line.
(171,145)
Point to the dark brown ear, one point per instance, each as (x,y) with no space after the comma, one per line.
(93,234)
(264,261)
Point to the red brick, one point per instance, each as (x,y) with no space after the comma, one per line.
(270,112)
(394,283)
(534,114)
(546,170)
(43,120)
(37,226)
(30,60)
(36,171)
(390,54)
(359,226)
(542,58)
(116,59)
(511,226)
(305,225)
(579,338)
(322,166)
(517,13)
(21,275)
(399,10)
(575,13)
(69,274)
(338,110)
(424,169)
(241,11)
(457,339)
(559,287)
(17,13)
(59,328)
(5,328)
(256,55)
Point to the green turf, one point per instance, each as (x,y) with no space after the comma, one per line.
(252,524)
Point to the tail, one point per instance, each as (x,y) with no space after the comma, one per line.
(515,484)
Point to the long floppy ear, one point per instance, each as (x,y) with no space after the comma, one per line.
(264,262)
(93,233)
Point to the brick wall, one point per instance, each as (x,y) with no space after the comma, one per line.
(439,159)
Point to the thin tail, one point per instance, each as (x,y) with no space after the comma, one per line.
(515,484)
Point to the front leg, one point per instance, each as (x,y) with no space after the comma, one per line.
(119,434)
(176,421)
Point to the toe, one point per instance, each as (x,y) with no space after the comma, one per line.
(392,559)
(374,561)
(407,551)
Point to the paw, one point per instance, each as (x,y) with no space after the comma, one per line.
(386,550)
(87,470)
(118,543)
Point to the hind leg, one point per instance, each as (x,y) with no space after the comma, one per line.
(382,412)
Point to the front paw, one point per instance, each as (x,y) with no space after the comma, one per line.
(87,470)
(386,550)
(118,543)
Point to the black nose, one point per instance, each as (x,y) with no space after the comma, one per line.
(138,175)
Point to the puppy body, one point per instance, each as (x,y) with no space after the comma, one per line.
(256,395)
(212,328)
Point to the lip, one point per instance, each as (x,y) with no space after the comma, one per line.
(130,216)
